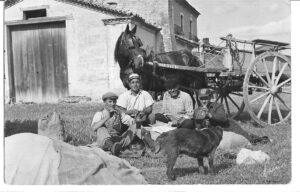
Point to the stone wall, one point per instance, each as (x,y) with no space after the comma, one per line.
(154,11)
(90,45)
(187,15)
(89,59)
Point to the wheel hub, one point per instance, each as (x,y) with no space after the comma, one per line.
(273,90)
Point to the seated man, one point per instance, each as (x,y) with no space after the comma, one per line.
(213,114)
(136,101)
(177,107)
(109,123)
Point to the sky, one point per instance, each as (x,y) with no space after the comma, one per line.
(244,19)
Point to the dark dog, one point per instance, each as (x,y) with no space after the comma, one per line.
(200,144)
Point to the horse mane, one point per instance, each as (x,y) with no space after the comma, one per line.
(117,47)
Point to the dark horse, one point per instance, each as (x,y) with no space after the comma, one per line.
(132,59)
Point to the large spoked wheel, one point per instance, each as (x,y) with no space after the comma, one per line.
(230,96)
(233,103)
(267,89)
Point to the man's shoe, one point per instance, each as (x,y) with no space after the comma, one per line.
(108,145)
(261,140)
(116,149)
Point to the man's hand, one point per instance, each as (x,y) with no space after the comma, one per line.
(209,115)
(132,112)
(106,114)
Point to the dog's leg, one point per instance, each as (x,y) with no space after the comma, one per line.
(171,160)
(206,165)
(211,162)
(200,164)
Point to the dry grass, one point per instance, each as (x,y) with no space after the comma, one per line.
(78,117)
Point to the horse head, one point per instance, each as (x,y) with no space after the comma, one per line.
(128,52)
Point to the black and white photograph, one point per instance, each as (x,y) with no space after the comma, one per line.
(147,92)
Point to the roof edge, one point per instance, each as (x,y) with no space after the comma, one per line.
(186,3)
(130,19)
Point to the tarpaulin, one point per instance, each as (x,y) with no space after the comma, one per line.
(36,159)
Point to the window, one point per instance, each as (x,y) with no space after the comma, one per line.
(35,13)
(191,26)
(181,21)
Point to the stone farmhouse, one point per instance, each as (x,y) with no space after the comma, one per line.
(59,48)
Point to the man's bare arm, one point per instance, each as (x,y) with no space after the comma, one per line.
(95,126)
(128,112)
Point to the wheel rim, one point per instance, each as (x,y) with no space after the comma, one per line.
(267,90)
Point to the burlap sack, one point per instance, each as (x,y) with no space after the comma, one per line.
(51,126)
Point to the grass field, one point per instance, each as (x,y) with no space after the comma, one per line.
(78,117)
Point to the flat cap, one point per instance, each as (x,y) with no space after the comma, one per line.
(133,76)
(204,92)
(109,95)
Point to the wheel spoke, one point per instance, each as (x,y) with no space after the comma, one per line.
(278,109)
(221,99)
(263,107)
(274,69)
(287,92)
(228,110)
(218,98)
(281,100)
(267,74)
(285,82)
(259,97)
(236,105)
(270,110)
(238,94)
(260,77)
(281,72)
(257,87)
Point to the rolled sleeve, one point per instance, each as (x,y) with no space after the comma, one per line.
(122,100)
(148,99)
(98,117)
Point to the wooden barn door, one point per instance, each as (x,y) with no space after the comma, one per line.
(38,64)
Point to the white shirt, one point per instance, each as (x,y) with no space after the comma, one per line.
(100,115)
(181,106)
(130,101)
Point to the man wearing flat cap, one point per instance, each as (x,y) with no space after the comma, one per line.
(136,101)
(116,130)
(209,114)
(213,114)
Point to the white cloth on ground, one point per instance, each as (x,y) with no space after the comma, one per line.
(233,141)
(158,128)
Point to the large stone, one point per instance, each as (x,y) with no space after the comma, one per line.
(246,156)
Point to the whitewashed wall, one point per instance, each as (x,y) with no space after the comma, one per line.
(90,47)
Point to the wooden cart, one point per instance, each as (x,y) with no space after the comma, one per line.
(257,76)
